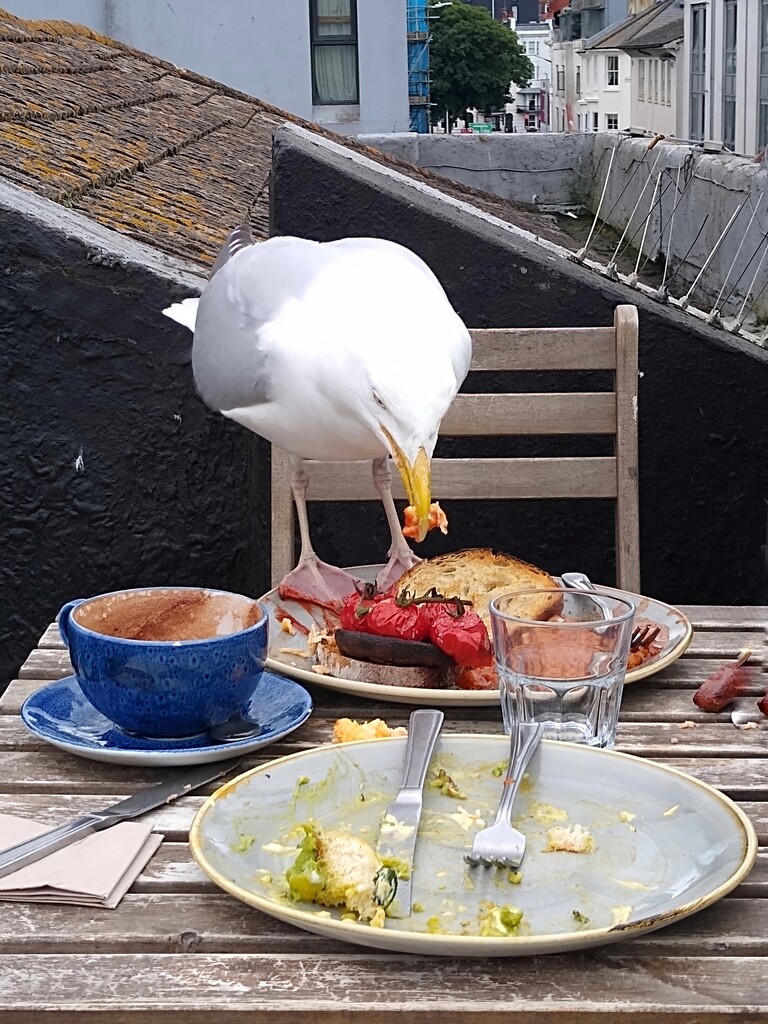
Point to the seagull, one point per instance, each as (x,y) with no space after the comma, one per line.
(335,351)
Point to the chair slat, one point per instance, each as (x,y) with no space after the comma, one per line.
(627,502)
(544,348)
(477,479)
(532,414)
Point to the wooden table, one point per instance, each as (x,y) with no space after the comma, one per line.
(178,949)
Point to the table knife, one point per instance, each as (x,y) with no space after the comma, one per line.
(400,825)
(175,784)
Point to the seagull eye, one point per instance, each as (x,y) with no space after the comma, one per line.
(379,400)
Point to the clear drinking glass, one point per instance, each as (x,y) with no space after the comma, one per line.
(566,672)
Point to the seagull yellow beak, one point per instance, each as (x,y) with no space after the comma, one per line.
(417,480)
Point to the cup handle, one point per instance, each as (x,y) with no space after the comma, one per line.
(63,618)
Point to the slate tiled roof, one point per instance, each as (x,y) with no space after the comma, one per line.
(161,154)
(658,24)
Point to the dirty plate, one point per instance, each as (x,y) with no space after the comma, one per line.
(664,844)
(287,654)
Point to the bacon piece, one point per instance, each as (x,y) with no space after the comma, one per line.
(437,520)
(762,704)
(724,685)
(478,679)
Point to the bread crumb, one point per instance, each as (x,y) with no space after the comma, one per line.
(321,670)
(674,739)
(296,651)
(570,839)
(620,915)
(670,811)
(287,626)
(626,816)
(345,730)
(687,725)
(748,725)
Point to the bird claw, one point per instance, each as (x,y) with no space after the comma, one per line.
(399,562)
(317,582)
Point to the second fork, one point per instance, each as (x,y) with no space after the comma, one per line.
(500,844)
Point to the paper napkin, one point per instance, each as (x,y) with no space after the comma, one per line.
(94,872)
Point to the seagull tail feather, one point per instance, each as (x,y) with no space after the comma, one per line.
(184,312)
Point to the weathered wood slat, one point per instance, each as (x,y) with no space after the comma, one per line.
(217,923)
(719,616)
(261,988)
(547,348)
(476,479)
(42,768)
(549,413)
(627,498)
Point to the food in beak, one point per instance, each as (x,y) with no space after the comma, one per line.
(437,520)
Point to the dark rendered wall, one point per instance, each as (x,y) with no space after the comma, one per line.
(161,494)
(703,424)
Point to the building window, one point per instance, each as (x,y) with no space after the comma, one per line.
(729,74)
(612,67)
(578,81)
(669,83)
(334,51)
(595,122)
(655,81)
(699,67)
(641,80)
(762,125)
(662,82)
(612,122)
(560,79)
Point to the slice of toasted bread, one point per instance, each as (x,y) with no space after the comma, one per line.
(422,676)
(479,575)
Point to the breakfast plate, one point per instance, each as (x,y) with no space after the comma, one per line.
(288,652)
(663,845)
(60,714)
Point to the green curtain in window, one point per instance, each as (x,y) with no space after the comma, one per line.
(335,66)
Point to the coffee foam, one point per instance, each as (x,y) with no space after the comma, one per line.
(171,615)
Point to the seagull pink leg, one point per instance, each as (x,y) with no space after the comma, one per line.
(312,579)
(400,555)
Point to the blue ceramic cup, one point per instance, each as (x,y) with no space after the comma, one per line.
(166,661)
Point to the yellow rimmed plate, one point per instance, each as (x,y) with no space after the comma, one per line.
(665,845)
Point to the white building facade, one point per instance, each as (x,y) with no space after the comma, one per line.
(723,68)
(530,105)
(339,63)
(590,89)
(652,38)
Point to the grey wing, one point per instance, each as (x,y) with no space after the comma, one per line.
(229,362)
(240,238)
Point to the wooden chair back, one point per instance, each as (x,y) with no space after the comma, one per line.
(471,415)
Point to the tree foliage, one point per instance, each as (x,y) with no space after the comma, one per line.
(472,60)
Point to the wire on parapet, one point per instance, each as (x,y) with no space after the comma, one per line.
(740,318)
(633,277)
(583,252)
(635,233)
(684,302)
(681,264)
(611,268)
(748,264)
(715,311)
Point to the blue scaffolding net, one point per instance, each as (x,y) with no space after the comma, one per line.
(418,65)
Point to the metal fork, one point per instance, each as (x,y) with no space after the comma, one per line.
(642,636)
(500,843)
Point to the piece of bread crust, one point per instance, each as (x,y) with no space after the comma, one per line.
(479,575)
(422,677)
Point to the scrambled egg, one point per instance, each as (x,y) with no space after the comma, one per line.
(345,730)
